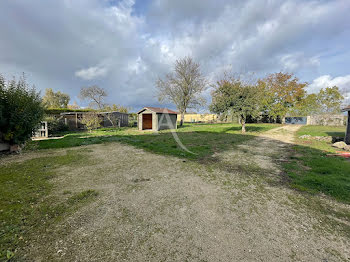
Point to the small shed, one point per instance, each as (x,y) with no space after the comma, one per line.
(156,118)
(347,132)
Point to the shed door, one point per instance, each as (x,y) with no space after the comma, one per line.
(146,121)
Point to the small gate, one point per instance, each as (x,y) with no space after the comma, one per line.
(296,120)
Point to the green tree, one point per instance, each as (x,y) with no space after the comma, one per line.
(281,92)
(55,100)
(233,96)
(183,87)
(330,100)
(309,105)
(21,110)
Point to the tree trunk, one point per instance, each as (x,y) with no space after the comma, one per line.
(243,125)
(182,118)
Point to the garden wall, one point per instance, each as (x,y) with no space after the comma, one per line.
(327,120)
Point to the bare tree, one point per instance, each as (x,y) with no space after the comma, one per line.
(95,95)
(183,87)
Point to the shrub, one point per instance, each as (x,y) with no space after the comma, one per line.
(91,121)
(21,110)
(57,111)
(55,125)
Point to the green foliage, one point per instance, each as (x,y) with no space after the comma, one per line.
(327,101)
(57,111)
(307,106)
(91,121)
(330,100)
(55,100)
(132,121)
(117,108)
(237,98)
(280,93)
(21,110)
(55,125)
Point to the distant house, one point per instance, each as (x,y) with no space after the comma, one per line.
(347,132)
(156,118)
(73,119)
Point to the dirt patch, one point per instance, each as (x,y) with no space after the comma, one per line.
(284,133)
(27,155)
(160,208)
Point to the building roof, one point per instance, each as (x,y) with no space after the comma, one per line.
(87,112)
(158,110)
(346,108)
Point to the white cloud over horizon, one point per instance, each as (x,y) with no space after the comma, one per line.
(343,82)
(125,45)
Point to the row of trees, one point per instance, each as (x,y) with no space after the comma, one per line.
(94,95)
(274,96)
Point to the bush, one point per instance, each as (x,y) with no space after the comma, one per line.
(20,110)
(57,111)
(55,125)
(91,121)
(132,121)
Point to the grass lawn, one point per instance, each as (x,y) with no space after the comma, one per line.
(201,139)
(313,171)
(24,205)
(335,131)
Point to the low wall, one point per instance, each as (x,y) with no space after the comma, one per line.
(192,118)
(4,146)
(327,120)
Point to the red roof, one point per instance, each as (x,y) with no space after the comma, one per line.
(158,110)
(346,108)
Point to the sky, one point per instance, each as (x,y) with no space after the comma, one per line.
(124,46)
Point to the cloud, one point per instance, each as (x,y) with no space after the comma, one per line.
(68,44)
(295,61)
(343,82)
(91,73)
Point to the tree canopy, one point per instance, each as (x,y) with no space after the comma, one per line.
(55,100)
(117,108)
(330,100)
(236,97)
(326,101)
(280,93)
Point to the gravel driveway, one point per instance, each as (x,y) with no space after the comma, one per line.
(161,208)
